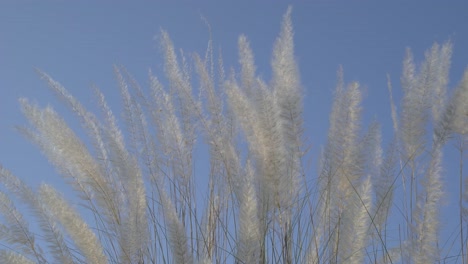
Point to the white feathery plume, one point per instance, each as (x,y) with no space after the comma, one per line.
(414,110)
(162,114)
(135,232)
(94,129)
(393,108)
(460,105)
(328,213)
(131,116)
(246,61)
(425,249)
(434,74)
(288,98)
(171,135)
(129,193)
(207,86)
(359,223)
(190,109)
(177,235)
(271,151)
(341,165)
(66,151)
(383,186)
(53,235)
(209,225)
(82,236)
(349,166)
(249,229)
(70,156)
(372,150)
(246,115)
(216,126)
(17,231)
(9,257)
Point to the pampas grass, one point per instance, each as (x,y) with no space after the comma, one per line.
(140,197)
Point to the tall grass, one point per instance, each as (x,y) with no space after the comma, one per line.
(260,205)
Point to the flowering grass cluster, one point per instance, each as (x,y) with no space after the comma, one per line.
(260,204)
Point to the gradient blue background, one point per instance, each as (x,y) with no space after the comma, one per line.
(77,42)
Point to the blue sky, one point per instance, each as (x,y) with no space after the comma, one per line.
(77,42)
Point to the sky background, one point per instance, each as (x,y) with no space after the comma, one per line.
(77,42)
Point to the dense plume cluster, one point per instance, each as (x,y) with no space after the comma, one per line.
(260,204)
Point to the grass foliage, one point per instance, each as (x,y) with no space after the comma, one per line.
(260,204)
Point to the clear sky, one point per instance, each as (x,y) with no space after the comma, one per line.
(77,42)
